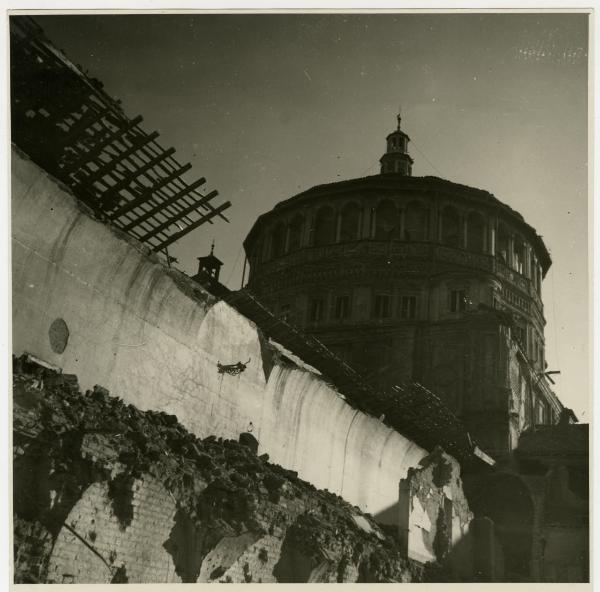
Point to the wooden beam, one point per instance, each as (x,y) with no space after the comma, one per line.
(90,154)
(127,179)
(105,167)
(169,202)
(191,227)
(178,184)
(186,200)
(87,120)
(181,214)
(147,193)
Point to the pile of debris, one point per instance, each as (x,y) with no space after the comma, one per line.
(64,441)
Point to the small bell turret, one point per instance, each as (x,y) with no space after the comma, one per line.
(209,265)
(396,159)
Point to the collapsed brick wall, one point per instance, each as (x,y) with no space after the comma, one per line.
(104,492)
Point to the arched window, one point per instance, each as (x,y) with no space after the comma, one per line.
(450,227)
(532,264)
(295,229)
(519,255)
(324,226)
(416,222)
(278,240)
(475,232)
(387,223)
(350,222)
(502,243)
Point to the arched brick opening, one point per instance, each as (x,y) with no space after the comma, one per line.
(450,227)
(387,223)
(350,222)
(505,499)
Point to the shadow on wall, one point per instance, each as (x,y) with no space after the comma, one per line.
(504,501)
(296,567)
(186,545)
(457,564)
(434,519)
(388,515)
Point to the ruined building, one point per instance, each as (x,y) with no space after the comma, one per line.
(421,279)
(226,443)
(416,279)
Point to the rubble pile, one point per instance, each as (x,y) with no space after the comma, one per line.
(64,441)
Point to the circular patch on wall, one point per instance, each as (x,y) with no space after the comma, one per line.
(59,336)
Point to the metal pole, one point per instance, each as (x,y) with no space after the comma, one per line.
(244,271)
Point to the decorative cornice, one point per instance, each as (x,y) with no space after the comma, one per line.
(386,260)
(434,187)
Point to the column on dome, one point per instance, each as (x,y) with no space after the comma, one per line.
(402,221)
(365,228)
(527,266)
(491,243)
(338,226)
(511,250)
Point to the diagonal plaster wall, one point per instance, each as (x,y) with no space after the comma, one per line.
(151,335)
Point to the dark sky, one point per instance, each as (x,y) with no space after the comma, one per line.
(265,106)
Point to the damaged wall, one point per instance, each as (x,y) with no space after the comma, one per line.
(554,467)
(435,519)
(105,493)
(95,303)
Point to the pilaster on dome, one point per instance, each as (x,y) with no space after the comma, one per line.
(396,158)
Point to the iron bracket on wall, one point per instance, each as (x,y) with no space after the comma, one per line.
(232,369)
